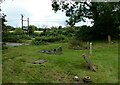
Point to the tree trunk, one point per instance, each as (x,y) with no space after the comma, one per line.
(109,39)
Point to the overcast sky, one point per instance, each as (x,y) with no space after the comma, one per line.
(39,12)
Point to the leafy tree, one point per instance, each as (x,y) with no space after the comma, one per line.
(60,27)
(84,34)
(32,28)
(105,23)
(8,27)
(105,15)
(18,31)
(4,30)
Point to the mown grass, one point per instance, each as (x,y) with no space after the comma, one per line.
(18,64)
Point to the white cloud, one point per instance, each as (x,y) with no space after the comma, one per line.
(39,12)
(87,22)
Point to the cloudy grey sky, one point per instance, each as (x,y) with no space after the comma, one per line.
(39,12)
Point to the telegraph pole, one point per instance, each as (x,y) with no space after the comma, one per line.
(22,21)
(28,25)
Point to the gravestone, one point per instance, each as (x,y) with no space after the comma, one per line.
(89,63)
(39,61)
(48,52)
(59,50)
(54,51)
(91,48)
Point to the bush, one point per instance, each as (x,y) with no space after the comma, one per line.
(11,38)
(14,38)
(77,45)
(46,39)
(25,37)
(34,42)
(84,33)
(36,34)
(18,31)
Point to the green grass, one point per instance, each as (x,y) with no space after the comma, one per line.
(18,64)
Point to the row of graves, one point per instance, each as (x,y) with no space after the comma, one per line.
(58,51)
(54,51)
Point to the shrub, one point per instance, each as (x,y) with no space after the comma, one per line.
(36,34)
(46,39)
(77,45)
(14,38)
(11,38)
(25,37)
(84,33)
(34,42)
(18,31)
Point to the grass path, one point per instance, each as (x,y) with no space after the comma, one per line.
(18,67)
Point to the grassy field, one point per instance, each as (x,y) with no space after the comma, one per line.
(18,64)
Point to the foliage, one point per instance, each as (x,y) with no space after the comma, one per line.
(18,31)
(15,37)
(32,28)
(45,39)
(105,23)
(105,15)
(11,38)
(24,37)
(84,33)
(36,34)
(8,27)
(78,45)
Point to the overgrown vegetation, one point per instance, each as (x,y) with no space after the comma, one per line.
(18,61)
(18,64)
(46,39)
(17,36)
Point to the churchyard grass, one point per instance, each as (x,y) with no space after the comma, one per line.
(18,64)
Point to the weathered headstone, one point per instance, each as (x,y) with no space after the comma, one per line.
(89,63)
(48,52)
(39,61)
(91,48)
(54,51)
(59,50)
(109,39)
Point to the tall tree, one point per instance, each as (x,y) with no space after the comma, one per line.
(104,14)
(3,23)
